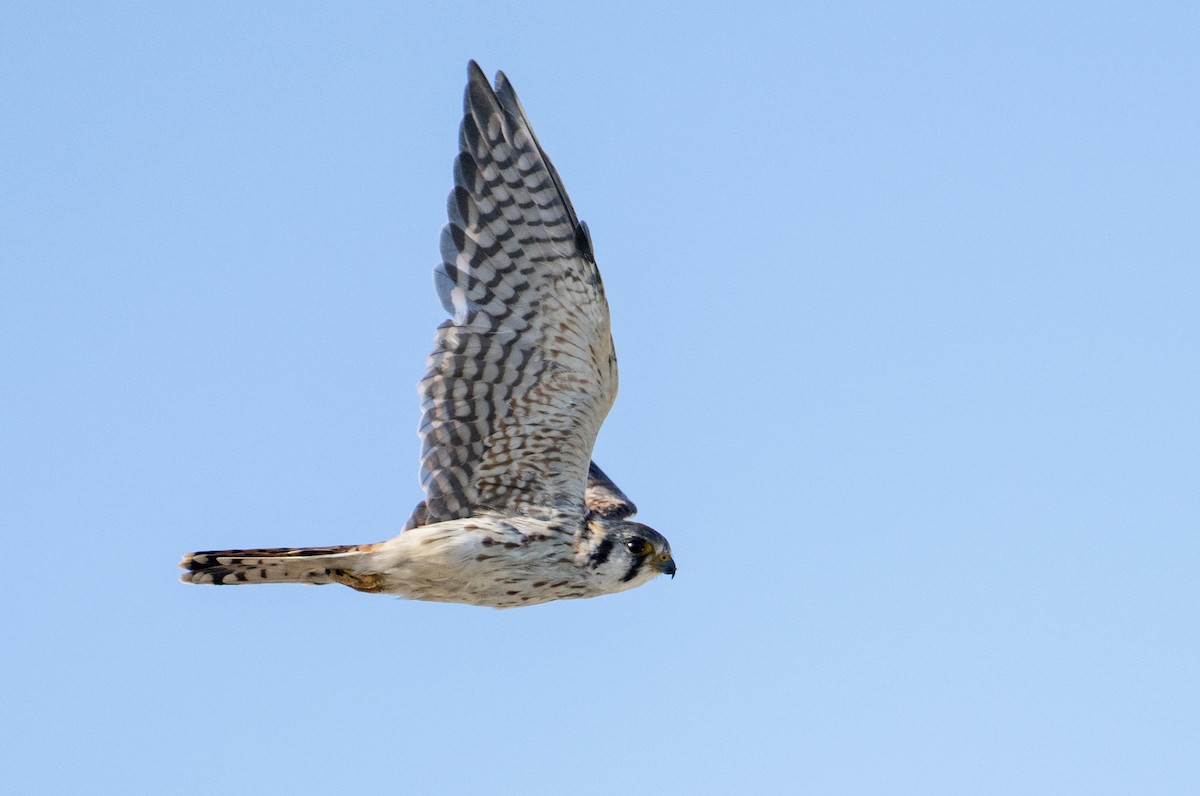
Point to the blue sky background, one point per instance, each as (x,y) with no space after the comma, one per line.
(906,300)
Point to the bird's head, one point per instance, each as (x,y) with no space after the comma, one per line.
(628,554)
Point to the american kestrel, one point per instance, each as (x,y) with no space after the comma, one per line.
(519,381)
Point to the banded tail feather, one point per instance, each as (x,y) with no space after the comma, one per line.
(313,565)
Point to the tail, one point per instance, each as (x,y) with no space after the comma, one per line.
(315,565)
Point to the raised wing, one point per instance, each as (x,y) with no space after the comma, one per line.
(604,498)
(523,374)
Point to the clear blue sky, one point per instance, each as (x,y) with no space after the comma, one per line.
(906,301)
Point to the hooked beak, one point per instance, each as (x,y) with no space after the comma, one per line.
(666,567)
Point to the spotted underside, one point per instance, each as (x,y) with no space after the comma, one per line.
(524,372)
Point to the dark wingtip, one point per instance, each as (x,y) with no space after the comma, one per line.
(503,85)
(475,73)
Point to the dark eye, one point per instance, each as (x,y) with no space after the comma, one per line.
(639,546)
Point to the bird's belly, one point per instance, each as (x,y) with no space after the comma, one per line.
(503,571)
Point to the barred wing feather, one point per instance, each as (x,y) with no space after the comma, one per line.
(523,373)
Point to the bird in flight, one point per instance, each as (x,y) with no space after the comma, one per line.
(520,379)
